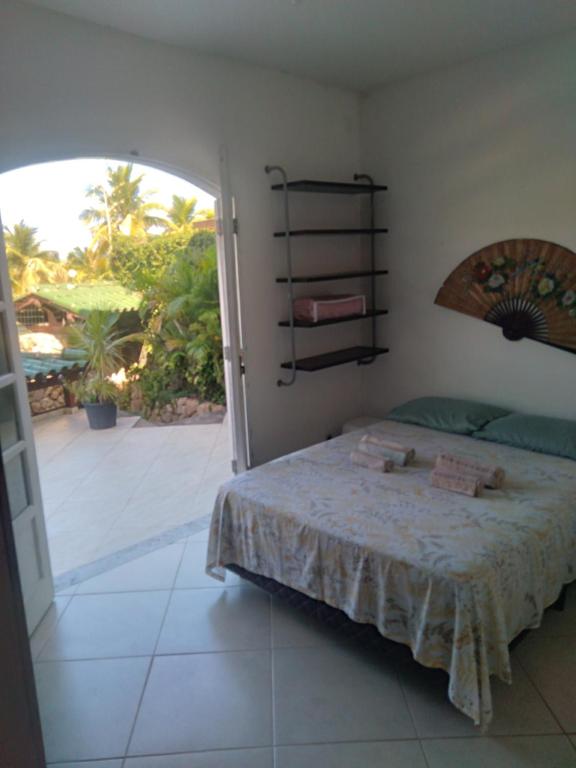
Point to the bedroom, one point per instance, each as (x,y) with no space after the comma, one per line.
(475,143)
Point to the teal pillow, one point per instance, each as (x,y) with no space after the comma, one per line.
(533,433)
(447,414)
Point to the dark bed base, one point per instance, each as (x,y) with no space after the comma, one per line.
(344,627)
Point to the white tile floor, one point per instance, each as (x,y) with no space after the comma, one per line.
(107,490)
(155,665)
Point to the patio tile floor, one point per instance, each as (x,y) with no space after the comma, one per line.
(107,490)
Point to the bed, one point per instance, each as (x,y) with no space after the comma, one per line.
(455,579)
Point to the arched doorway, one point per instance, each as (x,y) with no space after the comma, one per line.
(30,532)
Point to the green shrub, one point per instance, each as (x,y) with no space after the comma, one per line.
(183,339)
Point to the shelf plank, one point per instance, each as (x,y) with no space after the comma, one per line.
(332,276)
(307,232)
(330,187)
(339,357)
(333,320)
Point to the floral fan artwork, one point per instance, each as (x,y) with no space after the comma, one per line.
(526,287)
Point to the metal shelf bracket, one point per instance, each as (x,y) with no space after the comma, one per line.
(370,180)
(278,169)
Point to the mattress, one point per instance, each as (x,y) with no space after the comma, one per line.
(456,579)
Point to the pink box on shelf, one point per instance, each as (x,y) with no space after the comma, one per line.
(313,309)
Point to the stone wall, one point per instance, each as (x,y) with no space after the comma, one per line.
(179,410)
(47,399)
(184,408)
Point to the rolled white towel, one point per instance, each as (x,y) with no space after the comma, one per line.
(457,483)
(376,446)
(491,476)
(377,463)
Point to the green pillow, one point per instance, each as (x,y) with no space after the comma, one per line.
(534,433)
(447,414)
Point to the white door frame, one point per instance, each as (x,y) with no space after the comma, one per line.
(231,318)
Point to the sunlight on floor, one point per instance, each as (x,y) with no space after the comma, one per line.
(107,490)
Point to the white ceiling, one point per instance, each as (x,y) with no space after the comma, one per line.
(357,44)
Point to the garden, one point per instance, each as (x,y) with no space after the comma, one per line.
(163,360)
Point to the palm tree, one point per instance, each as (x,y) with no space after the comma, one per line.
(29,265)
(121,207)
(181,213)
(89,263)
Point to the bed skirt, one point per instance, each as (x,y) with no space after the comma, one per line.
(343,626)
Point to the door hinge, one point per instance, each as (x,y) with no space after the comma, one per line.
(234,466)
(235,225)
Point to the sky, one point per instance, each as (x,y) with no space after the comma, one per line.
(50,197)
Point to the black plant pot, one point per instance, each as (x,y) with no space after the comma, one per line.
(101,415)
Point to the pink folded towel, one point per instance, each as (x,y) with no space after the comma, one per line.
(449,481)
(491,477)
(377,463)
(377,446)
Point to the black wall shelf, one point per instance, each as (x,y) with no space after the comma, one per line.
(363,355)
(333,320)
(332,276)
(313,232)
(339,357)
(330,187)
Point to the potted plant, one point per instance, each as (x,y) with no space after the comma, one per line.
(102,348)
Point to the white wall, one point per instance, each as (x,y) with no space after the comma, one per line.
(69,88)
(472,155)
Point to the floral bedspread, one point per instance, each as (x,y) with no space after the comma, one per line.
(452,577)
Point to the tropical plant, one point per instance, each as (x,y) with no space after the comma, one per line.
(120,207)
(89,264)
(183,336)
(188,287)
(182,213)
(204,350)
(28,264)
(139,266)
(205,213)
(102,346)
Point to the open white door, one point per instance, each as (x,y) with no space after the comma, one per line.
(231,320)
(20,465)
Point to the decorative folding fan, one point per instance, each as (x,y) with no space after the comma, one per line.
(526,287)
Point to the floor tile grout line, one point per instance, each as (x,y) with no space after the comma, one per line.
(540,694)
(160,629)
(180,560)
(413,739)
(244,748)
(262,649)
(148,755)
(273,684)
(39,652)
(151,589)
(186,545)
(138,708)
(423,753)
(290,745)
(412,718)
